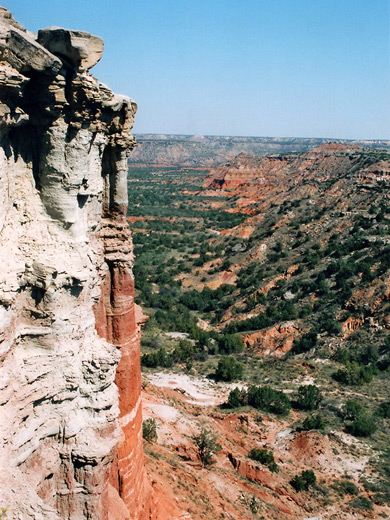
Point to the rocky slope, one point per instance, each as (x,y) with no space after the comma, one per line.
(66,286)
(308,213)
(236,486)
(257,175)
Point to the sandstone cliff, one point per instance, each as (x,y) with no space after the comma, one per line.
(66,285)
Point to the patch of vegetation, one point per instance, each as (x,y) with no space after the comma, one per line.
(304,481)
(322,268)
(229,369)
(384,410)
(354,374)
(309,397)
(362,426)
(306,343)
(358,421)
(262,398)
(345,487)
(353,409)
(379,488)
(265,457)
(229,343)
(361,503)
(149,430)
(313,422)
(207,446)
(186,351)
(253,505)
(237,398)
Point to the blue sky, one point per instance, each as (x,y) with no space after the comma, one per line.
(299,68)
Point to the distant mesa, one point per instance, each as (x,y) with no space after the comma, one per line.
(211,151)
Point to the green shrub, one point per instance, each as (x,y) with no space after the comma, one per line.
(262,398)
(361,503)
(237,398)
(314,422)
(305,310)
(183,352)
(298,483)
(384,410)
(352,410)
(229,369)
(207,446)
(354,374)
(362,426)
(359,423)
(253,505)
(265,457)
(303,481)
(306,343)
(345,487)
(154,359)
(349,488)
(226,264)
(309,397)
(149,430)
(268,399)
(229,343)
(331,326)
(369,355)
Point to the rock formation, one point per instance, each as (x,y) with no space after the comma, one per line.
(66,285)
(263,178)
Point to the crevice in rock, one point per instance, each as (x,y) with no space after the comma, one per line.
(81,200)
(37,295)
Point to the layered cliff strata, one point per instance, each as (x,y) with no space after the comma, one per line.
(66,258)
(261,177)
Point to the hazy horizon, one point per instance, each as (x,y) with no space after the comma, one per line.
(277,68)
(260,136)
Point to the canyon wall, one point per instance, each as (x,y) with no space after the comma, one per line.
(70,414)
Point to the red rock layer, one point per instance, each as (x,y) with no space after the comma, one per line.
(115,321)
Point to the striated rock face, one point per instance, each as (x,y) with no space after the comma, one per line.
(261,177)
(66,258)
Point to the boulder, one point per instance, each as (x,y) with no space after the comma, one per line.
(81,49)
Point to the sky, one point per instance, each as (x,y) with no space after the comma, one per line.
(280,68)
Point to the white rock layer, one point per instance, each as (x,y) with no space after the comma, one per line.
(63,148)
